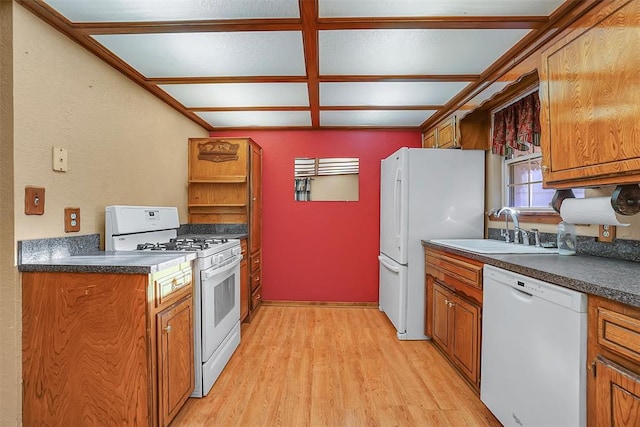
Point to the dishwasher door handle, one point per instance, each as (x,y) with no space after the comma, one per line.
(522,295)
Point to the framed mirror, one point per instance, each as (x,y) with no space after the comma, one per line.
(326,179)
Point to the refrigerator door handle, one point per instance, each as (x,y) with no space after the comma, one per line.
(388,266)
(397,206)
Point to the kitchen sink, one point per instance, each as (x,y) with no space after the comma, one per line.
(490,246)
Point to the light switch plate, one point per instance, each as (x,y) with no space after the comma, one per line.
(60,159)
(33,200)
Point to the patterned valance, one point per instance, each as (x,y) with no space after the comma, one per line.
(517,126)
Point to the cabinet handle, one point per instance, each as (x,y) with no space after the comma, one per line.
(167,328)
(544,168)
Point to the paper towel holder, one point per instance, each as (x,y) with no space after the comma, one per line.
(625,199)
(559,196)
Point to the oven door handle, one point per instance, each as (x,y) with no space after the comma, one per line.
(209,273)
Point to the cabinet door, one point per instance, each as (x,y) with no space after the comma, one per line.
(429,140)
(589,114)
(618,395)
(447,134)
(465,343)
(255,232)
(441,315)
(175,359)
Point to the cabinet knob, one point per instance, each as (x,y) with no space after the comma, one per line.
(167,328)
(544,168)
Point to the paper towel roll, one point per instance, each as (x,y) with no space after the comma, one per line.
(593,210)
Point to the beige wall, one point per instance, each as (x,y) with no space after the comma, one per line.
(125,147)
(9,290)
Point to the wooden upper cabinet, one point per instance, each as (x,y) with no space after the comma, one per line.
(589,104)
(444,135)
(255,203)
(220,180)
(429,139)
(448,133)
(214,160)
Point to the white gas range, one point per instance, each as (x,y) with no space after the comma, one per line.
(217,280)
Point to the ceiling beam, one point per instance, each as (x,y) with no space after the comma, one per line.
(401,78)
(309,13)
(433,22)
(209,26)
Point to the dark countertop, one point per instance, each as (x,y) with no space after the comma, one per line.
(127,262)
(606,277)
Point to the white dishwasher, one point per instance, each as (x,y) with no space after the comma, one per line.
(534,349)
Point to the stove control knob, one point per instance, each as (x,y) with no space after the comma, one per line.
(236,250)
(220,258)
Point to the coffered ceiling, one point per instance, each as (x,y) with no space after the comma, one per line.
(238,64)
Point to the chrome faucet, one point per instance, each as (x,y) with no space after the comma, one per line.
(516,224)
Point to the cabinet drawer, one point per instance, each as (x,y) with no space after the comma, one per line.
(619,333)
(255,279)
(243,248)
(173,284)
(256,298)
(465,271)
(255,260)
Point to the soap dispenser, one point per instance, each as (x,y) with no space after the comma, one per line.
(566,238)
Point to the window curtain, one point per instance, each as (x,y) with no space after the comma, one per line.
(303,189)
(517,126)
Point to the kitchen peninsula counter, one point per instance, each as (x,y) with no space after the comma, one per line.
(606,277)
(124,262)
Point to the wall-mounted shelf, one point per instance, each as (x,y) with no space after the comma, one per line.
(221,180)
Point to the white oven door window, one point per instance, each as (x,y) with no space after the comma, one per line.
(220,305)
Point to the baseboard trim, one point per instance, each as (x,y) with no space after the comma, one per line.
(320,304)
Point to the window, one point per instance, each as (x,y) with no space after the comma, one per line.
(522,172)
(523,182)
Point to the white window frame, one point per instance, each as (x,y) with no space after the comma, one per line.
(506,163)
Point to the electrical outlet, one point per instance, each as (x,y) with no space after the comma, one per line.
(60,159)
(606,233)
(71,220)
(33,200)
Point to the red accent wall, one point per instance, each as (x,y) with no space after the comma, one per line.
(322,251)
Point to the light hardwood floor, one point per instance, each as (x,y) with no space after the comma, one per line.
(334,366)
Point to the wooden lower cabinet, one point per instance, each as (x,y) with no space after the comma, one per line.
(106,348)
(618,395)
(456,331)
(255,282)
(175,358)
(613,384)
(245,290)
(453,310)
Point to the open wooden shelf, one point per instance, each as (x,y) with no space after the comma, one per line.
(240,179)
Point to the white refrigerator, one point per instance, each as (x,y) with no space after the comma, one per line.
(424,194)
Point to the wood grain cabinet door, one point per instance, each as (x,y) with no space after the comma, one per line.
(255,204)
(589,111)
(465,343)
(441,315)
(175,359)
(618,395)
